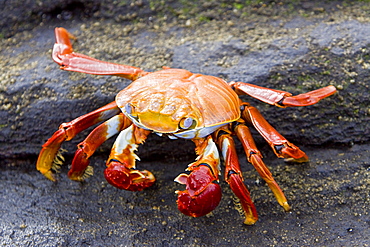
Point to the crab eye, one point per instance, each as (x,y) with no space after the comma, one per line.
(129,108)
(187,123)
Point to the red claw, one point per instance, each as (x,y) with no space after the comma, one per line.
(118,175)
(202,195)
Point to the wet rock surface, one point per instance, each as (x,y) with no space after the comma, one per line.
(294,47)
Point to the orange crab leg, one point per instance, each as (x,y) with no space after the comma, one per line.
(66,132)
(234,177)
(202,193)
(87,148)
(281,98)
(281,146)
(64,55)
(120,171)
(254,156)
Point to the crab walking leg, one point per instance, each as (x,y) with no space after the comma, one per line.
(48,157)
(281,146)
(120,171)
(202,193)
(68,60)
(281,98)
(80,168)
(254,156)
(234,177)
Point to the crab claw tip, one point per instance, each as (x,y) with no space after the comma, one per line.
(201,204)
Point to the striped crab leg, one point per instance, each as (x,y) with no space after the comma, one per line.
(282,98)
(233,174)
(80,168)
(64,55)
(254,156)
(49,157)
(279,144)
(281,147)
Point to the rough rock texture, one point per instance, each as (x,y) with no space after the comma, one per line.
(294,46)
(297,54)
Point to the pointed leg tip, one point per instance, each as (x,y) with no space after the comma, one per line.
(299,160)
(286,206)
(49,175)
(250,221)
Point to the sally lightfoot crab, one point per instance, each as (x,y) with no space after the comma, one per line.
(178,104)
